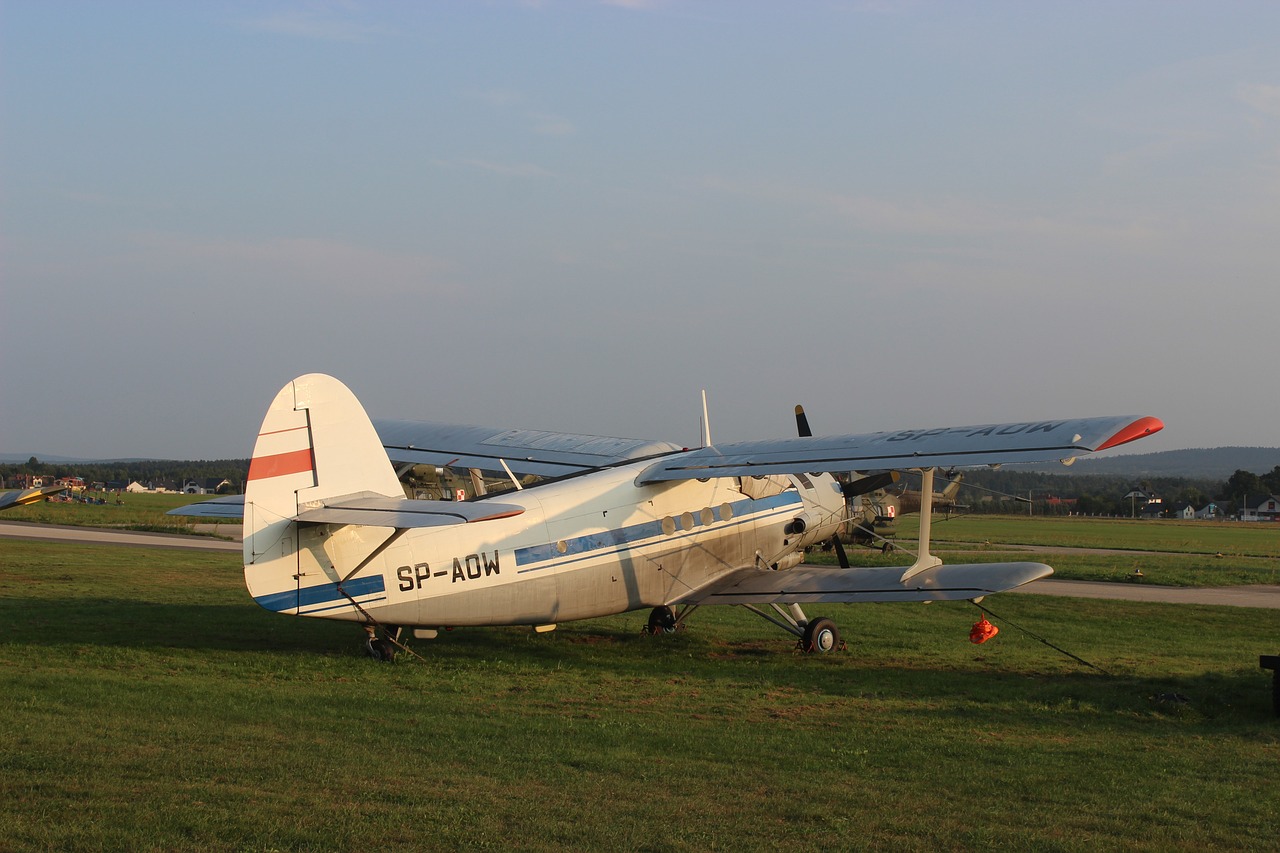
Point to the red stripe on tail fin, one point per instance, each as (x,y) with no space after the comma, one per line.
(294,462)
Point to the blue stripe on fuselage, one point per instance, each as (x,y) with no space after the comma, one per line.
(744,511)
(309,596)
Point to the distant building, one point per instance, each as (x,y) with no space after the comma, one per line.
(210,486)
(1267,509)
(1210,510)
(151,488)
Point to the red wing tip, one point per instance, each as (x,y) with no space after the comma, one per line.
(1141,428)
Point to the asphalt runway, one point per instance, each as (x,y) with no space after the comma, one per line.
(104,536)
(1256,595)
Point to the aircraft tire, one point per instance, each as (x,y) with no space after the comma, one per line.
(662,620)
(821,636)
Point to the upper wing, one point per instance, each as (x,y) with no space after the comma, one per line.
(813,584)
(545,454)
(985,444)
(29,496)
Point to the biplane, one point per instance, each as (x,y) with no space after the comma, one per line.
(590,526)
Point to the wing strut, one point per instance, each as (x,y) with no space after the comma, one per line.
(924,560)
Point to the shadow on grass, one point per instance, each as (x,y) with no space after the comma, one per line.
(145,625)
(613,649)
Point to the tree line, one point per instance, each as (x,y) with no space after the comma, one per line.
(1000,490)
(983,490)
(168,472)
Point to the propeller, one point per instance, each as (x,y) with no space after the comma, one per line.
(866,484)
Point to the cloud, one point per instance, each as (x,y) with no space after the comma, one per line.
(321,22)
(510,170)
(310,265)
(550,125)
(637,5)
(949,216)
(1262,97)
(515,103)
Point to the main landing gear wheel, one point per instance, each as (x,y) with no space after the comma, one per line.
(662,620)
(821,636)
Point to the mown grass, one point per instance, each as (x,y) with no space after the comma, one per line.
(1170,553)
(134,512)
(148,704)
(1189,570)
(1235,539)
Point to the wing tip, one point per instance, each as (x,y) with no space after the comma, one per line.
(1141,428)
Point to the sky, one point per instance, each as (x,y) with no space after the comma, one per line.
(575,216)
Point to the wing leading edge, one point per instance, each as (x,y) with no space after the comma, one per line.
(982,444)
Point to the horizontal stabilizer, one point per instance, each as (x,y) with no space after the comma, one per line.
(227,506)
(379,511)
(813,584)
(368,510)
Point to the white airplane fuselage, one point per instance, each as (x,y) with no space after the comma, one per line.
(587,546)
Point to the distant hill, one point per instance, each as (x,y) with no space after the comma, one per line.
(21,459)
(1215,463)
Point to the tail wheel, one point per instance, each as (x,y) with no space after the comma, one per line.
(379,649)
(821,636)
(662,620)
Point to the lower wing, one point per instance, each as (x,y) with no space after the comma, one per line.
(812,584)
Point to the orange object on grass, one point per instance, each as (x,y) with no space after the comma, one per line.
(982,631)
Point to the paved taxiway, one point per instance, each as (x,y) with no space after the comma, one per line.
(101,535)
(1256,595)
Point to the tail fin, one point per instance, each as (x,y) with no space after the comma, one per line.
(316,442)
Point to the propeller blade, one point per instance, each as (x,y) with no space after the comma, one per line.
(802,423)
(841,556)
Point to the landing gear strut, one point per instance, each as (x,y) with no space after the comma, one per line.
(817,636)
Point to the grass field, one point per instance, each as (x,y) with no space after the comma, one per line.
(1171,553)
(1231,539)
(148,704)
(135,512)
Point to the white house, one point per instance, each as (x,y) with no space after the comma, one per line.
(1267,509)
